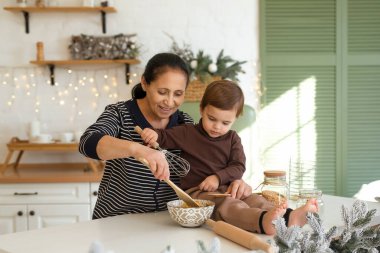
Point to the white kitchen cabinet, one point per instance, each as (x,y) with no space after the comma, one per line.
(32,206)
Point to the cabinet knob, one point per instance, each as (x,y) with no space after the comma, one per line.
(95,193)
(20,213)
(31,213)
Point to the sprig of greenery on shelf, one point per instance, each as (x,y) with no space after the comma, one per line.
(203,67)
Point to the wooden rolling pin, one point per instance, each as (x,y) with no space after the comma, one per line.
(239,236)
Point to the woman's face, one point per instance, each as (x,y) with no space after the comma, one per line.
(165,94)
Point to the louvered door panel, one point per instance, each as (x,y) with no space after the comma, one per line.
(297,122)
(362,126)
(300,26)
(297,125)
(363,26)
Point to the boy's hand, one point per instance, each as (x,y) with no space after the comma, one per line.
(150,137)
(210,184)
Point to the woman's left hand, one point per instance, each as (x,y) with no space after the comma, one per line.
(239,189)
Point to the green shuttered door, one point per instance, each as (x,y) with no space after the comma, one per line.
(320,118)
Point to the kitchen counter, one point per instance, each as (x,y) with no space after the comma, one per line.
(150,232)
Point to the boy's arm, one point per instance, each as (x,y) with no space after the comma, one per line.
(236,164)
(173,138)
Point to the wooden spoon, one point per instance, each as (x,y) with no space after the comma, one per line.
(180,193)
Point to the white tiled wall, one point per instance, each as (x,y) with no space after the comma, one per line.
(210,25)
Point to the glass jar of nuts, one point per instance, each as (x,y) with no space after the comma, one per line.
(275,188)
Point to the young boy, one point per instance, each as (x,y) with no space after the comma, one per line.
(216,157)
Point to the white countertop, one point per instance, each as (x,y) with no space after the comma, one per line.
(150,232)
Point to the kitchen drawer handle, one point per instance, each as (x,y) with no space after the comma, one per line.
(20,213)
(32,213)
(25,193)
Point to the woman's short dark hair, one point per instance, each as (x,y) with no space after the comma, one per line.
(224,95)
(158,65)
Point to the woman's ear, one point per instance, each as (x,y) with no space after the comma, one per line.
(143,83)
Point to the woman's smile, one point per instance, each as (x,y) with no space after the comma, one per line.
(166,110)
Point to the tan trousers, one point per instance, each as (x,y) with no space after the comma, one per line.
(243,213)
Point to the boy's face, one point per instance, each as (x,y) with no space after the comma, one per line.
(217,122)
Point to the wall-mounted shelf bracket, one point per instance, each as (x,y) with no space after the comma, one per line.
(127,74)
(104,26)
(26,18)
(52,77)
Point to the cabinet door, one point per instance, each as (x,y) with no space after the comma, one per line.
(42,216)
(13,218)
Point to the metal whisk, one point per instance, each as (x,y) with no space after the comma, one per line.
(176,163)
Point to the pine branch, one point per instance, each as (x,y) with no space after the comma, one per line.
(357,236)
(226,67)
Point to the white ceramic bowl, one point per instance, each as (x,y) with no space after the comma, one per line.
(190,216)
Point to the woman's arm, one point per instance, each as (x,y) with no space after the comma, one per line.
(100,141)
(109,148)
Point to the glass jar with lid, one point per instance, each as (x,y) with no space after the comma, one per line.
(275,188)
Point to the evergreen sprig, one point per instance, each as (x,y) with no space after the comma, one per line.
(228,68)
(201,70)
(202,66)
(357,236)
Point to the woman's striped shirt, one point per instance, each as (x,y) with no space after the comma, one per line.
(127,185)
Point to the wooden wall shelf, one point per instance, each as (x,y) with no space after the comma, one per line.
(31,9)
(52,63)
(21,146)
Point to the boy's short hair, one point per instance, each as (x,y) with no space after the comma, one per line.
(224,95)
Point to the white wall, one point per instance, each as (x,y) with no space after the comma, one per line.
(210,25)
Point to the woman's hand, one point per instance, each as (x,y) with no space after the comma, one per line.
(155,160)
(210,184)
(239,189)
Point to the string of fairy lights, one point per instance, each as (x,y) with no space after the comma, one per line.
(32,85)
(79,89)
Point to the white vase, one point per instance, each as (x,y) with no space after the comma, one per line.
(34,130)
